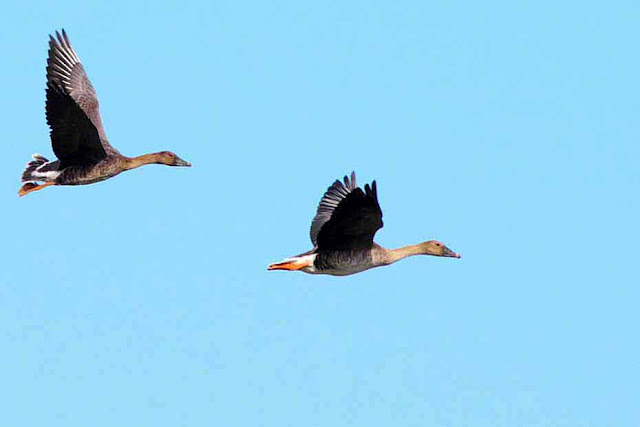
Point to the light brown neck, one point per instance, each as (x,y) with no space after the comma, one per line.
(145,159)
(393,255)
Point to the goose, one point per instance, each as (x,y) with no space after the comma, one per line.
(342,235)
(78,138)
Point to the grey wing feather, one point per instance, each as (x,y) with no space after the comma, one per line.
(329,202)
(66,74)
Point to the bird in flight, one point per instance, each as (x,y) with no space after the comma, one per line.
(78,138)
(342,234)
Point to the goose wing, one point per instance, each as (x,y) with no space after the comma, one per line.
(348,217)
(77,134)
(330,200)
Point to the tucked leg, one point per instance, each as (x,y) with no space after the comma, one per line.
(30,187)
(291,265)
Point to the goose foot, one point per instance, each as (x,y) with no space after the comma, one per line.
(30,187)
(292,265)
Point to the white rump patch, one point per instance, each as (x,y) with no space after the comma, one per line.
(45,176)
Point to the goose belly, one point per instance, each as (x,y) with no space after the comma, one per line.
(82,175)
(342,263)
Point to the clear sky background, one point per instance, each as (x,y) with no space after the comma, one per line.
(508,131)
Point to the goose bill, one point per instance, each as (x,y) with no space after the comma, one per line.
(449,253)
(180,162)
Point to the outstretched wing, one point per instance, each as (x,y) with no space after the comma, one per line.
(354,216)
(330,200)
(77,134)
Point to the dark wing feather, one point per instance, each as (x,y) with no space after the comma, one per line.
(77,134)
(73,136)
(329,202)
(354,221)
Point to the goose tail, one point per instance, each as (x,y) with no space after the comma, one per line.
(40,169)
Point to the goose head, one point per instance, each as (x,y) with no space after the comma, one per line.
(170,158)
(436,248)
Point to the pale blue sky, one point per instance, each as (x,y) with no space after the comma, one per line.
(510,131)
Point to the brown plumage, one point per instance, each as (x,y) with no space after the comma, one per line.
(342,234)
(78,137)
